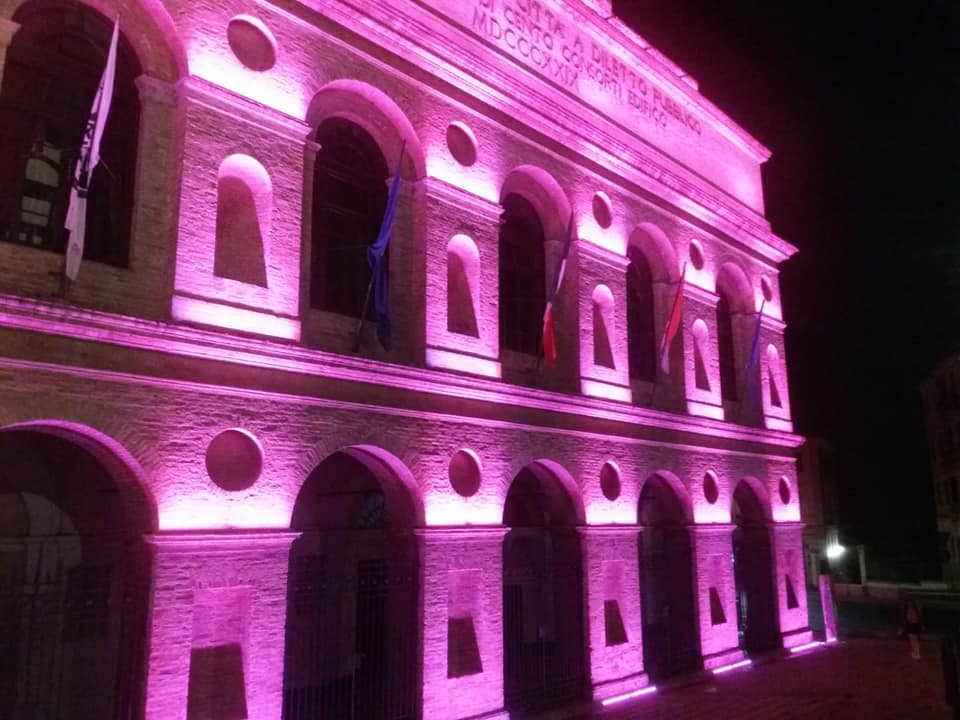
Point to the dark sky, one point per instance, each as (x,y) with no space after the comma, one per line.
(860,103)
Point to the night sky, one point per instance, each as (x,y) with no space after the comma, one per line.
(859,101)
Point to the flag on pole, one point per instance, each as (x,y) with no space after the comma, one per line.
(549,338)
(751,375)
(76,219)
(375,259)
(673,324)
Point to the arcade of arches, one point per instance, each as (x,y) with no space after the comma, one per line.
(356,641)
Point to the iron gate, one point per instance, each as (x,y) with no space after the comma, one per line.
(352,639)
(756,598)
(72,625)
(544,662)
(671,639)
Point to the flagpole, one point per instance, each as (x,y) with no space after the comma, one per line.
(667,338)
(751,364)
(363,315)
(383,237)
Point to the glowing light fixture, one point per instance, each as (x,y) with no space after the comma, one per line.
(807,646)
(835,550)
(629,696)
(733,666)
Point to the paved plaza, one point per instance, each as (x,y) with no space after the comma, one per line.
(868,679)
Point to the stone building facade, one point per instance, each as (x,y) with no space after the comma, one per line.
(941,410)
(220,496)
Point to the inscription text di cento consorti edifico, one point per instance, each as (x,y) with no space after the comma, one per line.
(532,32)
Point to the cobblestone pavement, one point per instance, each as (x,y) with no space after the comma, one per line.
(868,679)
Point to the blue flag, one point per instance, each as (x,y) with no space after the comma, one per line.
(751,375)
(375,253)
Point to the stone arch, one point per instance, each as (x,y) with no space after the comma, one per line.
(75,511)
(550,471)
(658,250)
(754,574)
(543,609)
(147,26)
(679,491)
(353,589)
(375,112)
(668,591)
(759,492)
(542,191)
(397,481)
(732,282)
(123,468)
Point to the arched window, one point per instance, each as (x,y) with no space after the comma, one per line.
(641,332)
(53,68)
(522,276)
(349,199)
(728,368)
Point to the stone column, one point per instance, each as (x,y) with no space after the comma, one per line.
(615,643)
(791,588)
(716,594)
(217,623)
(462,623)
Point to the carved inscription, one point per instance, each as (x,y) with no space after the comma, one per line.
(530,31)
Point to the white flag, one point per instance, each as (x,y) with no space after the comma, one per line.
(89,157)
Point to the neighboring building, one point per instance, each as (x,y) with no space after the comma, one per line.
(818,507)
(941,409)
(214,502)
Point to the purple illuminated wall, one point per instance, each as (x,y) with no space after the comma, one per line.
(210,331)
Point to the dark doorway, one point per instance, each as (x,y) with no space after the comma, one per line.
(757,617)
(353,628)
(671,637)
(544,650)
(74,584)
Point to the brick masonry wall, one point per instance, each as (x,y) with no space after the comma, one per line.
(223,582)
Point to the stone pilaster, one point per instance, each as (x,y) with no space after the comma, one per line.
(265,150)
(716,594)
(615,642)
(462,623)
(791,586)
(217,622)
(153,226)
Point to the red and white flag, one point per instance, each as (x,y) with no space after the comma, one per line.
(76,219)
(673,324)
(549,337)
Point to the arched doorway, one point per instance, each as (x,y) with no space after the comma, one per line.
(671,638)
(757,619)
(353,626)
(544,649)
(74,583)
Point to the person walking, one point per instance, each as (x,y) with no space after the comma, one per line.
(912,624)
